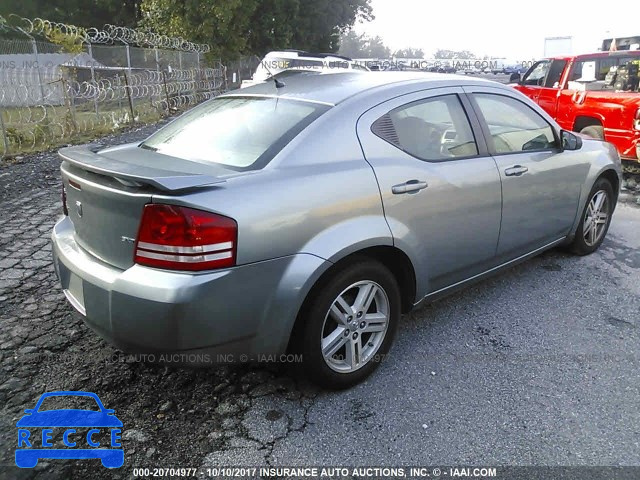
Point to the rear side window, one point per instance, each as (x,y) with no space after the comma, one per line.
(436,129)
(514,127)
(238,132)
(608,73)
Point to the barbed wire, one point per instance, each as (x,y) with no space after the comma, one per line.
(107,35)
(38,116)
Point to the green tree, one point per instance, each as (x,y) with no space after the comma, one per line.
(272,25)
(462,54)
(83,13)
(361,46)
(240,27)
(321,22)
(223,24)
(352,45)
(409,53)
(231,27)
(375,48)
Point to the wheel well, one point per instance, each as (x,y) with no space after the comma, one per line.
(401,268)
(391,257)
(612,176)
(582,122)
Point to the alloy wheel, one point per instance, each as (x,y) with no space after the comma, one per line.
(596,218)
(355,326)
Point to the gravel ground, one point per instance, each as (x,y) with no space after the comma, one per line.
(538,365)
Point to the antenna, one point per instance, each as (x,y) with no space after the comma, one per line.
(279,83)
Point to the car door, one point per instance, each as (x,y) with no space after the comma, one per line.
(550,91)
(540,183)
(534,79)
(440,189)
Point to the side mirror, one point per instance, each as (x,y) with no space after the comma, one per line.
(109,411)
(515,78)
(570,141)
(29,410)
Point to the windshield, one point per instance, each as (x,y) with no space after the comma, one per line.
(239,132)
(68,402)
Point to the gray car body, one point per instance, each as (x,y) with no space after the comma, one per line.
(325,196)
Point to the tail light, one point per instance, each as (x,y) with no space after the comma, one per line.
(180,238)
(65,209)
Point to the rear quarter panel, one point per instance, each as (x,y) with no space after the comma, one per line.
(317,196)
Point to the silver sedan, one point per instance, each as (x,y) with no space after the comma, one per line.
(307,215)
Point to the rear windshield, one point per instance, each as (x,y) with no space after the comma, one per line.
(238,132)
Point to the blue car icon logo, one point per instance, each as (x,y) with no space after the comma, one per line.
(69,433)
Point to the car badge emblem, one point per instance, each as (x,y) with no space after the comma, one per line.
(40,434)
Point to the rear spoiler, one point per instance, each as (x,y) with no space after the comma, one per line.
(87,159)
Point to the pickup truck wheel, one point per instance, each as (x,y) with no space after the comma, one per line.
(349,324)
(595,220)
(593,131)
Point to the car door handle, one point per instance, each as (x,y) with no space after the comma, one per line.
(412,186)
(516,171)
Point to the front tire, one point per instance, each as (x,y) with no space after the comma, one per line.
(349,323)
(595,220)
(593,131)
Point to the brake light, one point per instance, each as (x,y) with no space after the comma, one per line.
(181,238)
(65,209)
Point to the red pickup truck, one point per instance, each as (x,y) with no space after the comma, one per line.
(595,94)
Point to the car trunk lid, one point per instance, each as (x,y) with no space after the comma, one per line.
(106,191)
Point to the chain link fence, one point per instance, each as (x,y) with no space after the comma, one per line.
(93,82)
(239,70)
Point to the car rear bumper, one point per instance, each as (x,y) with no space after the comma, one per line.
(28,458)
(247,309)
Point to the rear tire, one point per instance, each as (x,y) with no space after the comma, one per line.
(593,131)
(595,219)
(349,322)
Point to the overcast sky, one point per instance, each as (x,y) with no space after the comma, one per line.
(513,29)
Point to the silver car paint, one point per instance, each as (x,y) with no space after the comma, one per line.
(552,185)
(432,220)
(324,196)
(149,310)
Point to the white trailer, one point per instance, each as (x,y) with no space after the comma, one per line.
(558,46)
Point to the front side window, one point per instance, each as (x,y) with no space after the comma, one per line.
(435,129)
(239,132)
(514,127)
(537,74)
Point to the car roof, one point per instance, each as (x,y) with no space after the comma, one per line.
(69,393)
(336,88)
(307,55)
